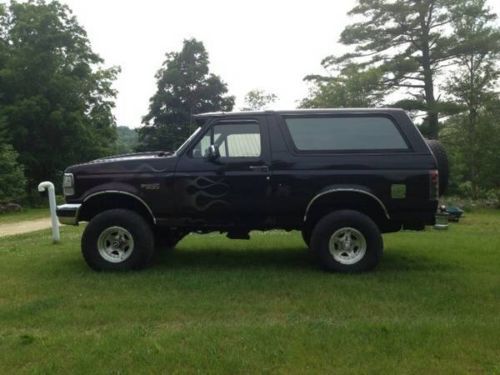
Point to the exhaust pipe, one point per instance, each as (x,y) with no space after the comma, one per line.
(49,186)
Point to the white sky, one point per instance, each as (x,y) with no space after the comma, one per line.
(257,44)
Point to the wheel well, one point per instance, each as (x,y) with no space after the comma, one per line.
(102,202)
(347,200)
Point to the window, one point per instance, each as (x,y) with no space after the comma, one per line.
(233,140)
(344,133)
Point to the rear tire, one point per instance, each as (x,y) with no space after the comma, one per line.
(117,240)
(347,241)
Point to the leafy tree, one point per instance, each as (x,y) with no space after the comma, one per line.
(256,100)
(12,180)
(54,97)
(473,135)
(184,87)
(351,87)
(408,41)
(127,140)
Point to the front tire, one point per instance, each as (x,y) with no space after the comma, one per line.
(117,240)
(306,236)
(347,241)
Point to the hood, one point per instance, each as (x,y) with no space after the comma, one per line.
(140,162)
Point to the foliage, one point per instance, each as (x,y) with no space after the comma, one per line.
(12,180)
(184,87)
(54,96)
(407,41)
(491,199)
(473,151)
(410,49)
(256,100)
(350,87)
(127,140)
(473,134)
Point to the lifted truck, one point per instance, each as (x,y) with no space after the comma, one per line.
(342,177)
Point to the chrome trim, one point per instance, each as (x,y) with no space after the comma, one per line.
(72,208)
(352,190)
(125,193)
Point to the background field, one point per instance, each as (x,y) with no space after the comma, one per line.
(25,214)
(221,306)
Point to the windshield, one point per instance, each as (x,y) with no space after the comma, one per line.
(187,141)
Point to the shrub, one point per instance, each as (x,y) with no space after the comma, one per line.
(12,180)
(469,204)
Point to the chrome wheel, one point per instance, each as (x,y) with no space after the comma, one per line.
(347,245)
(115,244)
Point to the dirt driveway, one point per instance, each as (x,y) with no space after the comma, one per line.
(9,229)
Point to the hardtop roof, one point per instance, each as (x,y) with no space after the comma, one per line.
(298,112)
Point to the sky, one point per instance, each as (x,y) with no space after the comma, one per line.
(269,45)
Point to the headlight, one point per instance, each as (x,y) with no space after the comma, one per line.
(68,184)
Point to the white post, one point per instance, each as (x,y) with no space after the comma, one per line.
(49,186)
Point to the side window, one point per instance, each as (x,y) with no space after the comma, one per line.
(233,140)
(201,148)
(345,133)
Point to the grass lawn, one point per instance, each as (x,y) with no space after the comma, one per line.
(223,306)
(25,214)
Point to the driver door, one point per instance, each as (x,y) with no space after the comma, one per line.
(228,187)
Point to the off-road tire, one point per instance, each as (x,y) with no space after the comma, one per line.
(306,236)
(345,219)
(135,224)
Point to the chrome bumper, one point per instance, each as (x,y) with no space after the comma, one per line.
(68,213)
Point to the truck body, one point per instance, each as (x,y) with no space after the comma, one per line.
(265,170)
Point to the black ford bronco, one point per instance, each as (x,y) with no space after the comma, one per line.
(341,177)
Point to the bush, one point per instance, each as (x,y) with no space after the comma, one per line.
(12,180)
(469,204)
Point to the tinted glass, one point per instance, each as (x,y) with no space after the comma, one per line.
(345,133)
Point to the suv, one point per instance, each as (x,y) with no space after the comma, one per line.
(341,177)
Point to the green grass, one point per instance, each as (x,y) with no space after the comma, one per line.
(223,306)
(25,214)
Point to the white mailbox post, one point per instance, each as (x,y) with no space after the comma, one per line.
(49,186)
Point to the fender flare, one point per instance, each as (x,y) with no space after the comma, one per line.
(338,189)
(139,199)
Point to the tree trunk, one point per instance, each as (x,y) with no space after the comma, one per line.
(472,139)
(432,114)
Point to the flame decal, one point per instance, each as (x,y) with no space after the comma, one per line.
(204,193)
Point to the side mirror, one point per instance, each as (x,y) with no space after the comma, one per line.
(213,152)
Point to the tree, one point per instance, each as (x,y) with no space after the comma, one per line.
(12,181)
(127,140)
(473,135)
(184,87)
(55,98)
(408,41)
(256,100)
(351,87)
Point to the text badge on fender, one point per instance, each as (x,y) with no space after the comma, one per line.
(150,186)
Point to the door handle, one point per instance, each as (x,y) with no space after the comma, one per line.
(259,168)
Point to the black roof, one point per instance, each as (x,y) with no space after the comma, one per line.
(298,112)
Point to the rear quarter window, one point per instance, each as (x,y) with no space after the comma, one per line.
(345,133)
